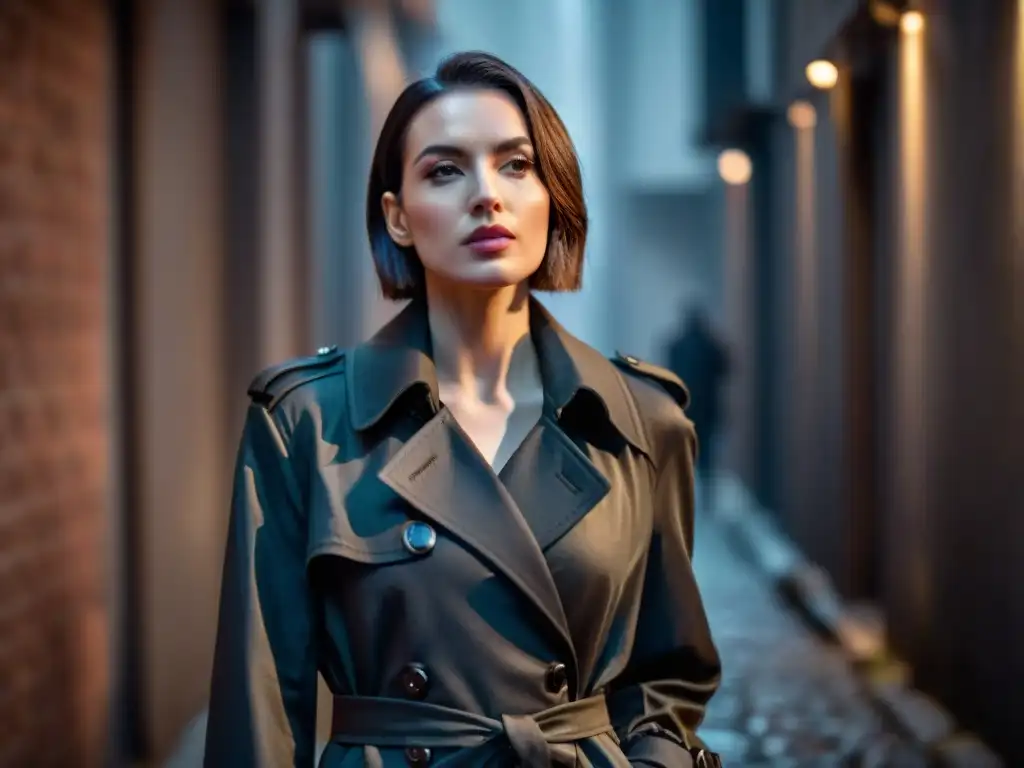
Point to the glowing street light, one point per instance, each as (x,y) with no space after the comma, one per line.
(912,22)
(734,167)
(822,74)
(802,115)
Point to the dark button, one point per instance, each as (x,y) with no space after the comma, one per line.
(556,678)
(417,755)
(419,538)
(414,681)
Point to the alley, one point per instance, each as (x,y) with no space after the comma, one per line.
(787,698)
(810,211)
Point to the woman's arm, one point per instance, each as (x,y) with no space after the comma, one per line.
(263,693)
(658,701)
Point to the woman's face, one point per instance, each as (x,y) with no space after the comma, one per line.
(471,203)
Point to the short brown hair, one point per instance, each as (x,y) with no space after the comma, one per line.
(399,269)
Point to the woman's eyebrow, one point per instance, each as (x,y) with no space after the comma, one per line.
(450,150)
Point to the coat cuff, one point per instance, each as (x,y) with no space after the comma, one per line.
(653,747)
(650,746)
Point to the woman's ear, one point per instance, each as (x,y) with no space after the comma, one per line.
(394,218)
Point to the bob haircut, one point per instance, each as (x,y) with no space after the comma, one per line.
(399,269)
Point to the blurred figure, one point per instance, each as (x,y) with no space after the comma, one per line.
(701,360)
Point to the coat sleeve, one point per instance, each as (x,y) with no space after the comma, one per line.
(658,701)
(263,691)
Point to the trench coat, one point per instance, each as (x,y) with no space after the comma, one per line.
(545,615)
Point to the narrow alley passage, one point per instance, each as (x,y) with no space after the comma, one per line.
(788,698)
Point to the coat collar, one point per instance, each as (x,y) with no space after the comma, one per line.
(397,359)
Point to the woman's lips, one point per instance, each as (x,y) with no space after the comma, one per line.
(488,245)
(490,239)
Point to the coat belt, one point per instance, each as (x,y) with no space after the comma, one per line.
(384,722)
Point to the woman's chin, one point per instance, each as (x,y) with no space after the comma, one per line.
(491,275)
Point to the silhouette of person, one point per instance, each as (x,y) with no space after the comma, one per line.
(701,360)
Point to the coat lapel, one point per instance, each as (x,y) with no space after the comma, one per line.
(577,375)
(553,482)
(440,473)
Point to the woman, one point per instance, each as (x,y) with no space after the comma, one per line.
(476,527)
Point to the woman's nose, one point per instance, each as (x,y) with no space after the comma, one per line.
(485,196)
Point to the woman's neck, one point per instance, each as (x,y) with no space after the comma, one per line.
(481,342)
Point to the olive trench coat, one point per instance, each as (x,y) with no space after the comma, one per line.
(546,615)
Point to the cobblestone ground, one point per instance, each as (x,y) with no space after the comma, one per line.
(787,698)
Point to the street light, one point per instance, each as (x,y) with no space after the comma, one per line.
(912,22)
(734,167)
(802,115)
(822,74)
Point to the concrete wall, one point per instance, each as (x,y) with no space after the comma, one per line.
(896,294)
(961,614)
(181,453)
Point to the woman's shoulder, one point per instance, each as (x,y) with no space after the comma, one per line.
(654,381)
(661,397)
(301,382)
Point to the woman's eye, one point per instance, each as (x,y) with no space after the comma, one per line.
(519,165)
(443,170)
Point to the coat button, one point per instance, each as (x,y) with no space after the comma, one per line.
(414,682)
(419,538)
(417,755)
(556,678)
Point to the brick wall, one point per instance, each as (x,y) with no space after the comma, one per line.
(54,210)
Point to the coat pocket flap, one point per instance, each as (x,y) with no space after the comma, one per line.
(381,549)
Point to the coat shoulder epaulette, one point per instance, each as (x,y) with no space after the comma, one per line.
(663,376)
(273,383)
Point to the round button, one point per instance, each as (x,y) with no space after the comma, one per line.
(417,755)
(414,682)
(419,538)
(556,678)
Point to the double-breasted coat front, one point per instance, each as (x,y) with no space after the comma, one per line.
(544,615)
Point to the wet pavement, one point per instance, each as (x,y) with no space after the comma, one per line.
(788,697)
